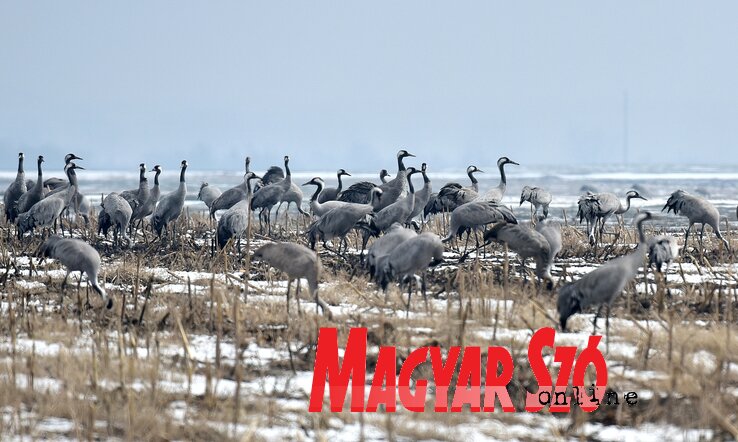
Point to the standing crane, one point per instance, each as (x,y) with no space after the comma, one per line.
(601,286)
(698,211)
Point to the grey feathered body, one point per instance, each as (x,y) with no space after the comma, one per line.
(293,195)
(296,260)
(169,207)
(476,215)
(15,190)
(397,212)
(338,222)
(116,214)
(422,196)
(208,194)
(697,210)
(137,198)
(359,193)
(413,256)
(227,199)
(267,197)
(527,243)
(600,286)
(44,213)
(331,193)
(233,223)
(54,183)
(154,194)
(380,249)
(551,230)
(76,255)
(34,194)
(538,197)
(662,249)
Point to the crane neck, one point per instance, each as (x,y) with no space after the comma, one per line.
(472,177)
(319,188)
(40,174)
(20,166)
(374,197)
(182,174)
(410,184)
(426,180)
(142,175)
(72,189)
(641,234)
(156,178)
(503,178)
(340,183)
(287,169)
(248,186)
(247,164)
(400,164)
(622,209)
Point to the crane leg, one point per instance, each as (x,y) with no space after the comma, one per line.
(289,285)
(702,233)
(686,238)
(722,238)
(467,242)
(297,296)
(607,330)
(63,287)
(409,294)
(594,321)
(422,288)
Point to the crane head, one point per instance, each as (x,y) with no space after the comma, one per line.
(142,167)
(342,172)
(20,155)
(286,159)
(40,158)
(473,169)
(411,170)
(423,167)
(634,194)
(383,173)
(568,303)
(317,181)
(505,160)
(183,164)
(403,154)
(156,168)
(70,156)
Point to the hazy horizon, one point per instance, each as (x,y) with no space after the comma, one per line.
(347,85)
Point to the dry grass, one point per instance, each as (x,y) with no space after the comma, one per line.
(214,356)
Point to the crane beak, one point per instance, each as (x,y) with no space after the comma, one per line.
(513,162)
(308,183)
(410,155)
(479,170)
(79,167)
(644,199)
(347,174)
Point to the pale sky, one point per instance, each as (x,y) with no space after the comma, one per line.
(346,84)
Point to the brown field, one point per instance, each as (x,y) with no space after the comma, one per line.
(199,345)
